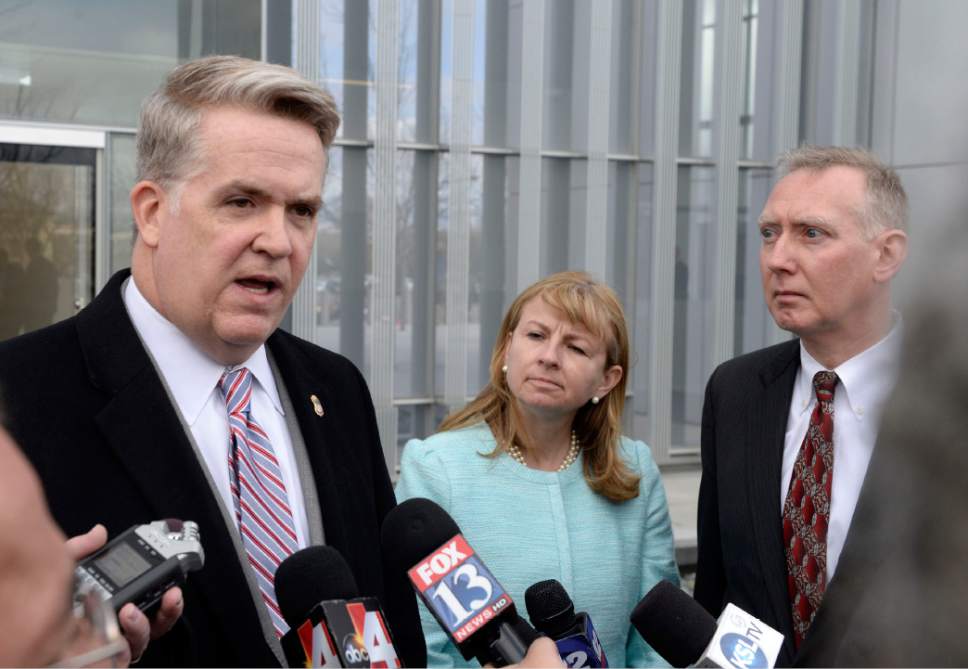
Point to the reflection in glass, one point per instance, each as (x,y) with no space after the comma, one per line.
(46,234)
(639,312)
(694,309)
(94,61)
(696,84)
(753,324)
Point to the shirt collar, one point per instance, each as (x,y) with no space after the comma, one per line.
(190,374)
(865,379)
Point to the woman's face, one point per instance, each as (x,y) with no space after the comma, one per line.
(555,366)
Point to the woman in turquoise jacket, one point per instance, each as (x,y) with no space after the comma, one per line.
(538,476)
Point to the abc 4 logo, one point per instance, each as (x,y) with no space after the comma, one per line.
(368,645)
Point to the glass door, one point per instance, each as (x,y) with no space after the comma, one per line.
(47,214)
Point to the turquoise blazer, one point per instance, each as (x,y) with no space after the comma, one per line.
(529,525)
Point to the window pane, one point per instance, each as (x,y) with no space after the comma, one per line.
(347,56)
(95,61)
(639,310)
(624,70)
(122,175)
(696,86)
(490,286)
(747,119)
(754,324)
(562,57)
(418,70)
(343,255)
(502,65)
(440,275)
(46,234)
(416,213)
(693,329)
(562,210)
(620,230)
(647,75)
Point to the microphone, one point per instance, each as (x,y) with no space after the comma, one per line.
(553,613)
(680,630)
(478,615)
(329,625)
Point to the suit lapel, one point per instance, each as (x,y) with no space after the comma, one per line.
(140,425)
(322,436)
(767,427)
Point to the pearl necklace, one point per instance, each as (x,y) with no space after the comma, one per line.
(570,458)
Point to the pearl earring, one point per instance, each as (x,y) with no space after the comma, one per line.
(504,369)
(595,399)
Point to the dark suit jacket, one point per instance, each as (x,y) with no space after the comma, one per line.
(900,593)
(740,533)
(88,407)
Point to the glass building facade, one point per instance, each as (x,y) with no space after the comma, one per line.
(484,144)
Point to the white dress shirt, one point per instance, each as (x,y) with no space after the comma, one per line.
(192,377)
(866,380)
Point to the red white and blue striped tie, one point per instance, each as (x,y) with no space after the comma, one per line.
(261,505)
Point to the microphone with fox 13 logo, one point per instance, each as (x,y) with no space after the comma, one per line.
(553,613)
(479,616)
(680,630)
(329,625)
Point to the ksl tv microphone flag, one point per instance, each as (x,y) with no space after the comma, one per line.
(458,589)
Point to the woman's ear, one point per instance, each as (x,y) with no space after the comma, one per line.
(610,379)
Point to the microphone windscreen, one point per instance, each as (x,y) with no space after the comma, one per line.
(676,626)
(310,576)
(549,607)
(413,530)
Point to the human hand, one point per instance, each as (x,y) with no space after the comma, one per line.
(135,626)
(542,654)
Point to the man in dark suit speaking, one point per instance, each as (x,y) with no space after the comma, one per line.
(788,431)
(174,395)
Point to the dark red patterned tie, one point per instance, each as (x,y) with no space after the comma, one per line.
(806,512)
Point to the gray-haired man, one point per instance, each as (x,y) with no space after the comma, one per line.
(174,395)
(788,431)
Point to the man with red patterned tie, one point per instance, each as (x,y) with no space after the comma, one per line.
(788,431)
(174,393)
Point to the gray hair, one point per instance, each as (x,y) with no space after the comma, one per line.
(168,137)
(887,205)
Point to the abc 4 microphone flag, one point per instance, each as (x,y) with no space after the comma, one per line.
(458,589)
(342,633)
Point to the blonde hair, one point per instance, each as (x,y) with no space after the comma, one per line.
(168,132)
(887,205)
(598,426)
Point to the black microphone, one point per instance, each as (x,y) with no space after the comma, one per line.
(330,626)
(553,613)
(421,539)
(679,629)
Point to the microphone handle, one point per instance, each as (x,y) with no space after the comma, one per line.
(512,642)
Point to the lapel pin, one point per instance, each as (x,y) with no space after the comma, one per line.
(317,405)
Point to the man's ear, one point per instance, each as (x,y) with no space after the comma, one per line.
(149,206)
(891,252)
